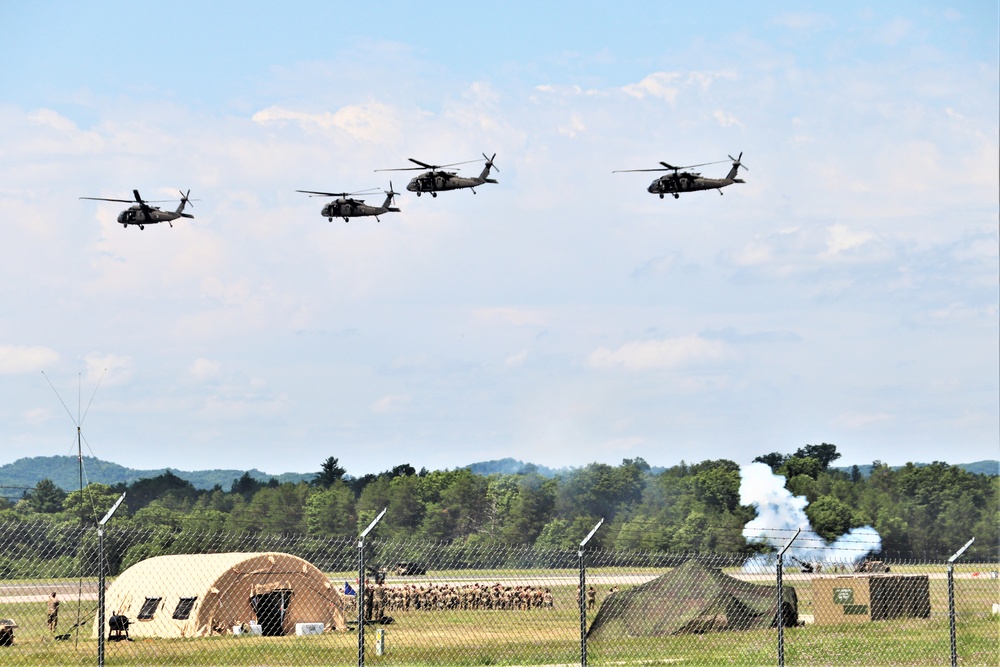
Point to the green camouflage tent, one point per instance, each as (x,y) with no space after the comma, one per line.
(692,598)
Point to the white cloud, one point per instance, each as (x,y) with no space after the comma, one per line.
(573,127)
(61,135)
(108,369)
(204,369)
(726,119)
(661,85)
(17,359)
(895,31)
(37,416)
(516,359)
(840,239)
(667,354)
(390,403)
(373,122)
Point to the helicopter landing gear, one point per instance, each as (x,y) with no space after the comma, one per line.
(434,194)
(676,196)
(142,226)
(661,195)
(419,193)
(329,219)
(346,219)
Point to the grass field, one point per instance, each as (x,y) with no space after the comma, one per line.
(541,637)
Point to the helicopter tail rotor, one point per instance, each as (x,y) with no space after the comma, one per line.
(736,168)
(485,176)
(185,201)
(390,196)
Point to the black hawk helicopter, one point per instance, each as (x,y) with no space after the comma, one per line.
(346,207)
(437,180)
(142,214)
(689,181)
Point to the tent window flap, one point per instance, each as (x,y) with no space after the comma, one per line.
(183,610)
(148,609)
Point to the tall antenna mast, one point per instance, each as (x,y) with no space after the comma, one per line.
(78,420)
(79,463)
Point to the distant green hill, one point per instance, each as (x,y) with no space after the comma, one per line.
(987,467)
(63,471)
(25,473)
(509,466)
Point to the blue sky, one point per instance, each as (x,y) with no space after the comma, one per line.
(847,293)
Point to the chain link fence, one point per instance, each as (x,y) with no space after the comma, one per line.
(178,598)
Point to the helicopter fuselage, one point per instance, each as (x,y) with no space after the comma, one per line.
(354,208)
(439,181)
(687,182)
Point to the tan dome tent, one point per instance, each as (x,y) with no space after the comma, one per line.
(202,594)
(692,598)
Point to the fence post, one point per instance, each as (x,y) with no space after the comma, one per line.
(780,616)
(100,579)
(361,588)
(951,601)
(583,593)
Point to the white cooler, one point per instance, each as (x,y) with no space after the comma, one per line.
(308,629)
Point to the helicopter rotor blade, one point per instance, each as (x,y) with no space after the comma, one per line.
(317,193)
(737,161)
(622,171)
(489,162)
(123,201)
(403,169)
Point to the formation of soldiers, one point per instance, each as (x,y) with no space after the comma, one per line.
(387,599)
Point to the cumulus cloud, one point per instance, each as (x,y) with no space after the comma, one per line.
(372,122)
(667,354)
(109,369)
(390,403)
(61,135)
(840,239)
(572,127)
(17,359)
(516,359)
(726,119)
(204,369)
(662,85)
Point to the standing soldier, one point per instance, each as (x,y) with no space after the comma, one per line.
(378,604)
(53,613)
(591,597)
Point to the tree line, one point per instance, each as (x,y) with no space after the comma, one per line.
(920,511)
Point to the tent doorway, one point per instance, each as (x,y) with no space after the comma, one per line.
(271,609)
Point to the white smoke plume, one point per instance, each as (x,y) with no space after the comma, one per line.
(780,514)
